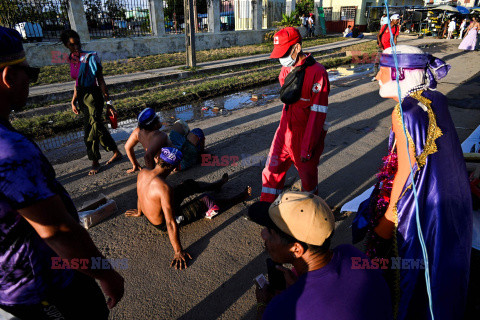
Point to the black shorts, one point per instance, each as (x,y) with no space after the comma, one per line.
(191,211)
(81,299)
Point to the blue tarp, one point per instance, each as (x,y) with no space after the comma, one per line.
(463,10)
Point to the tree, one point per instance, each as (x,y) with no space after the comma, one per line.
(290,20)
(115,10)
(8,13)
(93,9)
(304,7)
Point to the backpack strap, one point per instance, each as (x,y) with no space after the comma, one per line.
(385,27)
(87,71)
(382,31)
(291,90)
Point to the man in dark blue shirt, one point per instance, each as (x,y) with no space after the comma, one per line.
(38,220)
(327,284)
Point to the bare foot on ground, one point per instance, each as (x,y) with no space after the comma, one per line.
(116,156)
(95,168)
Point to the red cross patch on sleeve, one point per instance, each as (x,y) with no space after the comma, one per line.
(316,87)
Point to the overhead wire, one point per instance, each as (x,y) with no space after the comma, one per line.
(412,173)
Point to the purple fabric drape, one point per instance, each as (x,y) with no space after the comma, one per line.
(445,208)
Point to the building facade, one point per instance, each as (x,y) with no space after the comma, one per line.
(341,13)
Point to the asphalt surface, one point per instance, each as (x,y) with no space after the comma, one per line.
(228,251)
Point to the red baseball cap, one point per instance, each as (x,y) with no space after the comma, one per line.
(283,40)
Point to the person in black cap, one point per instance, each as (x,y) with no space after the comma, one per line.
(38,220)
(149,135)
(162,205)
(327,283)
(90,92)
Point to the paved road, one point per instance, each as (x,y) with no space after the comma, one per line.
(228,252)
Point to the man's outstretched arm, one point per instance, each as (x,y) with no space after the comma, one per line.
(69,240)
(166,198)
(129,145)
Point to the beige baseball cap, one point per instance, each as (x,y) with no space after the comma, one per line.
(304,216)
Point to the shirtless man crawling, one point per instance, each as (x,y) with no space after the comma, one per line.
(161,204)
(151,138)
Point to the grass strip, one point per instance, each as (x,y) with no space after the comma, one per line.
(61,73)
(366,47)
(44,126)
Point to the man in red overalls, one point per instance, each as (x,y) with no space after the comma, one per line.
(299,139)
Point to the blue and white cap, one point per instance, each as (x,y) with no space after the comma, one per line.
(171,155)
(395,16)
(147,116)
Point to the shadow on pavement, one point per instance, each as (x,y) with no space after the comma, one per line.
(196,248)
(466,95)
(215,304)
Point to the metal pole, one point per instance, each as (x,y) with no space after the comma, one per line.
(189,34)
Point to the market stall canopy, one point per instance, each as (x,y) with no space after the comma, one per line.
(476,9)
(446,8)
(463,10)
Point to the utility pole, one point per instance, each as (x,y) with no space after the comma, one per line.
(189,33)
(195,15)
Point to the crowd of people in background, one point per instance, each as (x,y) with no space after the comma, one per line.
(308,22)
(39,221)
(467,30)
(470,40)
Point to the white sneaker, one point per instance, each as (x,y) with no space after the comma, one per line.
(179,219)
(212,212)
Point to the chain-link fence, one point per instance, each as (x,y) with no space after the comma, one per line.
(125,127)
(117,18)
(35,20)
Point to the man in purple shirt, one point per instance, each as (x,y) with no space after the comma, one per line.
(325,284)
(41,241)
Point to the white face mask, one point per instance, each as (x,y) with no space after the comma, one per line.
(287,61)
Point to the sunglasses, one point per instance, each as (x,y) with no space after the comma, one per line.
(31,72)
